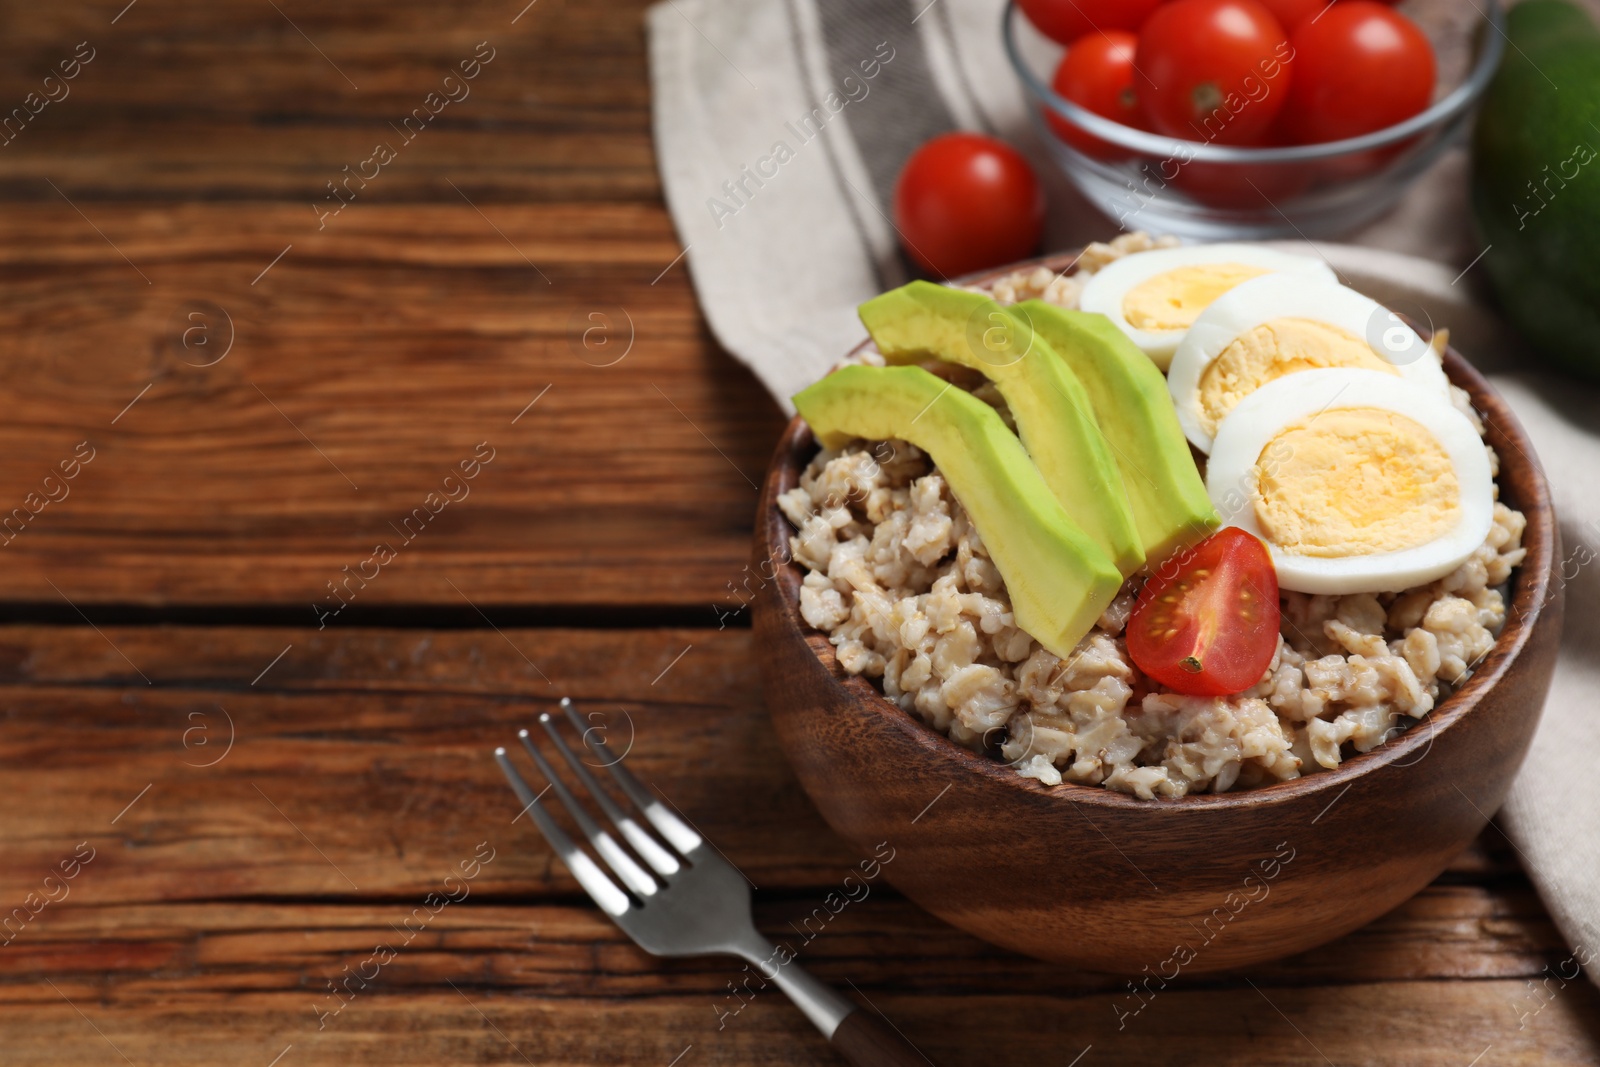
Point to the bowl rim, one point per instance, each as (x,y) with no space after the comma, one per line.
(1441,113)
(1531,593)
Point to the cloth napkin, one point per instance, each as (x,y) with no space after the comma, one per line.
(780,128)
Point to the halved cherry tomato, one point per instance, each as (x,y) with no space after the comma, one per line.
(1206,622)
(964,202)
(1213,70)
(1065,21)
(1097,74)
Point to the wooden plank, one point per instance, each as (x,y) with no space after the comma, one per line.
(1426,1025)
(561,985)
(882,941)
(214,909)
(374,743)
(195,100)
(364,755)
(368,363)
(381,348)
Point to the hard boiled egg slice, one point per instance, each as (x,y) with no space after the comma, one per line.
(1358,481)
(1284,324)
(1155,296)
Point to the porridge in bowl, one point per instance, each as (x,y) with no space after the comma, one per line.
(1376,531)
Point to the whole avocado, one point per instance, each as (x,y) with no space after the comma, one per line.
(1536,181)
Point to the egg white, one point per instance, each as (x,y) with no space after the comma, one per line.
(1231,477)
(1285,296)
(1105,290)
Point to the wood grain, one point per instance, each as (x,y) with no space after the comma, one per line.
(529,946)
(368,363)
(473,1024)
(383,346)
(194,100)
(208,923)
(868,1039)
(364,755)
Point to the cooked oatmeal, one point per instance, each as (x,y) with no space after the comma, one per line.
(899,580)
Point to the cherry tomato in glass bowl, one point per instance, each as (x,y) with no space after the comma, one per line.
(1206,623)
(1243,186)
(1214,70)
(964,202)
(1291,13)
(1359,67)
(1064,21)
(1097,74)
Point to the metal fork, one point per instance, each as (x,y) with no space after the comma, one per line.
(691,901)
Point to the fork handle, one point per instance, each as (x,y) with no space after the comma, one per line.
(867,1040)
(863,1037)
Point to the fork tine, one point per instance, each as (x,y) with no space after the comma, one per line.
(678,833)
(632,875)
(657,857)
(603,890)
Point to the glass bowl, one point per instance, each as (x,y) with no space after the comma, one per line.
(1153,182)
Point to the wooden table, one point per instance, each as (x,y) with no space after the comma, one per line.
(252,790)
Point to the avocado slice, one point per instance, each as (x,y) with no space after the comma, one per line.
(1059,579)
(1170,506)
(1053,412)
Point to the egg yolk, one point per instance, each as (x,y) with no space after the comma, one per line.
(1174,299)
(1272,350)
(1355,481)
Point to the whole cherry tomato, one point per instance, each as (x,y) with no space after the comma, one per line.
(1291,13)
(1067,20)
(964,202)
(1245,186)
(1206,623)
(1097,74)
(1358,68)
(1214,70)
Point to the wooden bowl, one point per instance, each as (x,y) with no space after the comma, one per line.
(1102,880)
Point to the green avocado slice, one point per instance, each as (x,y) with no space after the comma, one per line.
(1054,416)
(1059,579)
(1170,506)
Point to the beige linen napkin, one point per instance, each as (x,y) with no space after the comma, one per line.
(780,128)
(1553,814)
